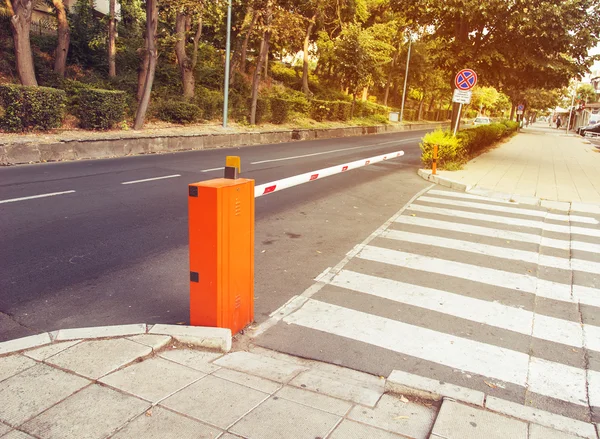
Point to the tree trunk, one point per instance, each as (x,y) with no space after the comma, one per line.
(112,36)
(20,23)
(430,108)
(365,94)
(256,78)
(197,42)
(255,16)
(311,25)
(183,61)
(142,72)
(353,105)
(152,55)
(388,83)
(420,112)
(512,111)
(63,38)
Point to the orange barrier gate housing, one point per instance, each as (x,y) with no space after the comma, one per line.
(221,236)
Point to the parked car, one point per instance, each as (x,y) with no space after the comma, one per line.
(482,121)
(593,129)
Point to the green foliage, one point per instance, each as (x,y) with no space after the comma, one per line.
(100,109)
(88,36)
(263,109)
(280,109)
(210,102)
(343,110)
(449,148)
(468,143)
(26,108)
(288,75)
(178,112)
(320,110)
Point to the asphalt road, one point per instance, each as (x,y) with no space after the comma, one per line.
(115,253)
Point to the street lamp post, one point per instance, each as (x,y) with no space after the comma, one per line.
(227,61)
(571,110)
(405,78)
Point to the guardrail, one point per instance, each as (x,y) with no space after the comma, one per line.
(221,241)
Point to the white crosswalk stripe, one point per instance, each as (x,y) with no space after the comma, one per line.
(424,289)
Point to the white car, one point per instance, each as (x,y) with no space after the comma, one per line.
(482,121)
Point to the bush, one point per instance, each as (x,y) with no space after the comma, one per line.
(281,72)
(100,109)
(476,139)
(262,109)
(23,108)
(299,104)
(210,102)
(449,148)
(178,112)
(343,110)
(320,110)
(280,109)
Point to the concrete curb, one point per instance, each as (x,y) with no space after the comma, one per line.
(404,383)
(565,206)
(210,338)
(78,149)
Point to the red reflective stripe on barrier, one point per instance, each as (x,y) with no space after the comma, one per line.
(385,158)
(345,168)
(270,189)
(367,162)
(314,177)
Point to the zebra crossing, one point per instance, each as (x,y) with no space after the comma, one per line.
(484,293)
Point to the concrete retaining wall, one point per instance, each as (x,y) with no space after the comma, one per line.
(18,153)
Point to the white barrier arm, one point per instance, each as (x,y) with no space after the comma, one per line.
(274,186)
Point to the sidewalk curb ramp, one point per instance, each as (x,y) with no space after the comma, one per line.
(398,382)
(30,152)
(205,337)
(522,199)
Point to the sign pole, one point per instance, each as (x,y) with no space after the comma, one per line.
(458,118)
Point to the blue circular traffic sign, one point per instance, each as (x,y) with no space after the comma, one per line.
(465,79)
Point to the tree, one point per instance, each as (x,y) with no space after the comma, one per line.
(150,66)
(112,35)
(587,93)
(360,57)
(188,14)
(264,50)
(20,23)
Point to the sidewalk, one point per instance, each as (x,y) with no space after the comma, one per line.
(539,162)
(157,382)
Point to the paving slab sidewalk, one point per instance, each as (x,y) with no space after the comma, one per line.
(151,386)
(539,162)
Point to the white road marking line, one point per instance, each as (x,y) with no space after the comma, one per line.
(464,307)
(556,380)
(483,231)
(495,251)
(332,151)
(592,337)
(489,276)
(151,179)
(545,377)
(438,347)
(32,197)
(515,210)
(585,246)
(587,295)
(213,169)
(505,220)
(470,196)
(482,249)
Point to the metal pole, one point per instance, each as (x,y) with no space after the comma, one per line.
(405,78)
(227,56)
(571,112)
(457,118)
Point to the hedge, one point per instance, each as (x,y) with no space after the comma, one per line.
(178,112)
(25,107)
(100,109)
(467,143)
(210,103)
(262,109)
(280,110)
(320,110)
